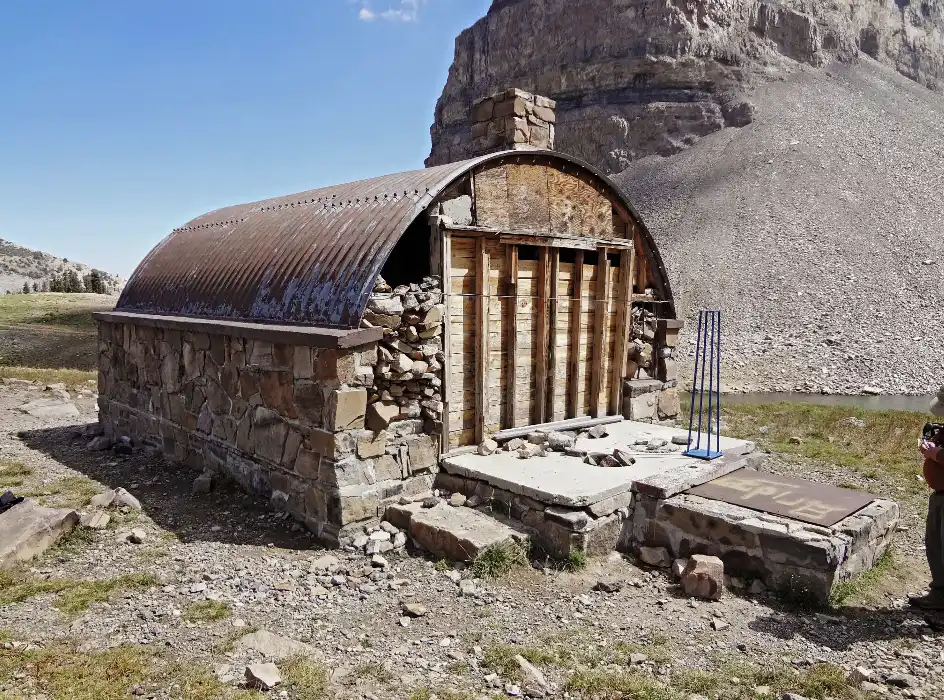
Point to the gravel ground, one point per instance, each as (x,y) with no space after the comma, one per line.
(817,229)
(228,547)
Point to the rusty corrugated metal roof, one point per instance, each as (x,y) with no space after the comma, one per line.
(309,258)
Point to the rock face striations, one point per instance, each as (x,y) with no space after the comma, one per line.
(649,77)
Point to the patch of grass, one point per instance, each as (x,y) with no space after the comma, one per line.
(70,377)
(74,596)
(501,658)
(207,611)
(198,683)
(78,539)
(483,612)
(53,309)
(373,671)
(70,492)
(619,684)
(858,587)
(817,682)
(59,671)
(12,473)
(498,559)
(442,566)
(887,442)
(427,693)
(576,561)
(308,679)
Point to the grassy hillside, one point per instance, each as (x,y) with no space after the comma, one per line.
(50,331)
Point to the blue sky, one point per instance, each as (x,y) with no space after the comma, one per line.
(121,120)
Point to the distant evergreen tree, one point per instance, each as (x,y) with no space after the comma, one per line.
(55,284)
(26,288)
(44,287)
(35,286)
(71,284)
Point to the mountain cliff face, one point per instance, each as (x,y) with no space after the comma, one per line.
(649,77)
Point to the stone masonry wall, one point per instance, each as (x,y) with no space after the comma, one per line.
(288,421)
(651,389)
(512,119)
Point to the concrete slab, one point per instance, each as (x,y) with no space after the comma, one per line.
(51,408)
(566,481)
(27,530)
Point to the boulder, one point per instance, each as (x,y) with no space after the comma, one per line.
(533,682)
(263,676)
(559,441)
(703,577)
(27,530)
(273,646)
(655,556)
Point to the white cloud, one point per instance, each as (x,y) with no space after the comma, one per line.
(407,11)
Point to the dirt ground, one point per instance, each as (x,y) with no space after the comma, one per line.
(209,569)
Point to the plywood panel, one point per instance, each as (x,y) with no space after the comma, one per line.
(528,198)
(491,198)
(597,211)
(565,210)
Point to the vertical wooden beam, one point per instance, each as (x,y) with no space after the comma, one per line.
(511,335)
(541,351)
(576,312)
(554,287)
(642,273)
(481,336)
(599,326)
(447,327)
(624,301)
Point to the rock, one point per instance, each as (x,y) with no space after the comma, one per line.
(703,577)
(380,414)
(457,500)
(678,566)
(859,675)
(328,562)
(795,440)
(529,450)
(27,530)
(792,696)
(379,561)
(680,439)
(514,444)
(399,540)
(872,391)
(54,407)
(487,447)
(379,536)
(122,448)
(123,498)
(853,421)
(96,520)
(610,585)
(103,499)
(99,444)
(533,682)
(902,680)
(413,609)
(137,536)
(656,444)
(718,624)
(203,484)
(636,659)
(263,676)
(560,441)
(537,438)
(757,587)
(655,556)
(598,431)
(624,458)
(273,646)
(473,501)
(338,580)
(430,502)
(389,527)
(467,587)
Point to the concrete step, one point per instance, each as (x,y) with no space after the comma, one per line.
(457,534)
(27,530)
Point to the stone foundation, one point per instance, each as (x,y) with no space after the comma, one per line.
(788,556)
(330,435)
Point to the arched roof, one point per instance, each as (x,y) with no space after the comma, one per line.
(309,258)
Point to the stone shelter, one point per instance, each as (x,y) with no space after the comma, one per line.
(327,348)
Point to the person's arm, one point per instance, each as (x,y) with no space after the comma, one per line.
(933,453)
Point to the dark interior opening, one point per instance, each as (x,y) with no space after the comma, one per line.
(568,255)
(409,261)
(590,257)
(527,252)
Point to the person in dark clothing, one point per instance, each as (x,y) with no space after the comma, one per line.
(934,534)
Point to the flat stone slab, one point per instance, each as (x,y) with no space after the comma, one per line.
(566,481)
(51,408)
(274,646)
(27,530)
(458,534)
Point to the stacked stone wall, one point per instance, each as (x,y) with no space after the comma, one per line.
(651,390)
(331,436)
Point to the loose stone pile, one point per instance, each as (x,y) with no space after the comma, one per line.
(407,381)
(644,363)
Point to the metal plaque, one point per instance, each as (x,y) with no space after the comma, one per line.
(802,500)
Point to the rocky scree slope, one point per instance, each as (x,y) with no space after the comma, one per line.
(818,231)
(19,264)
(815,224)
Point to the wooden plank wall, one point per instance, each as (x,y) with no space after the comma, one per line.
(462,339)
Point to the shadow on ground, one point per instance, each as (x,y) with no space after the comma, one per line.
(227,515)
